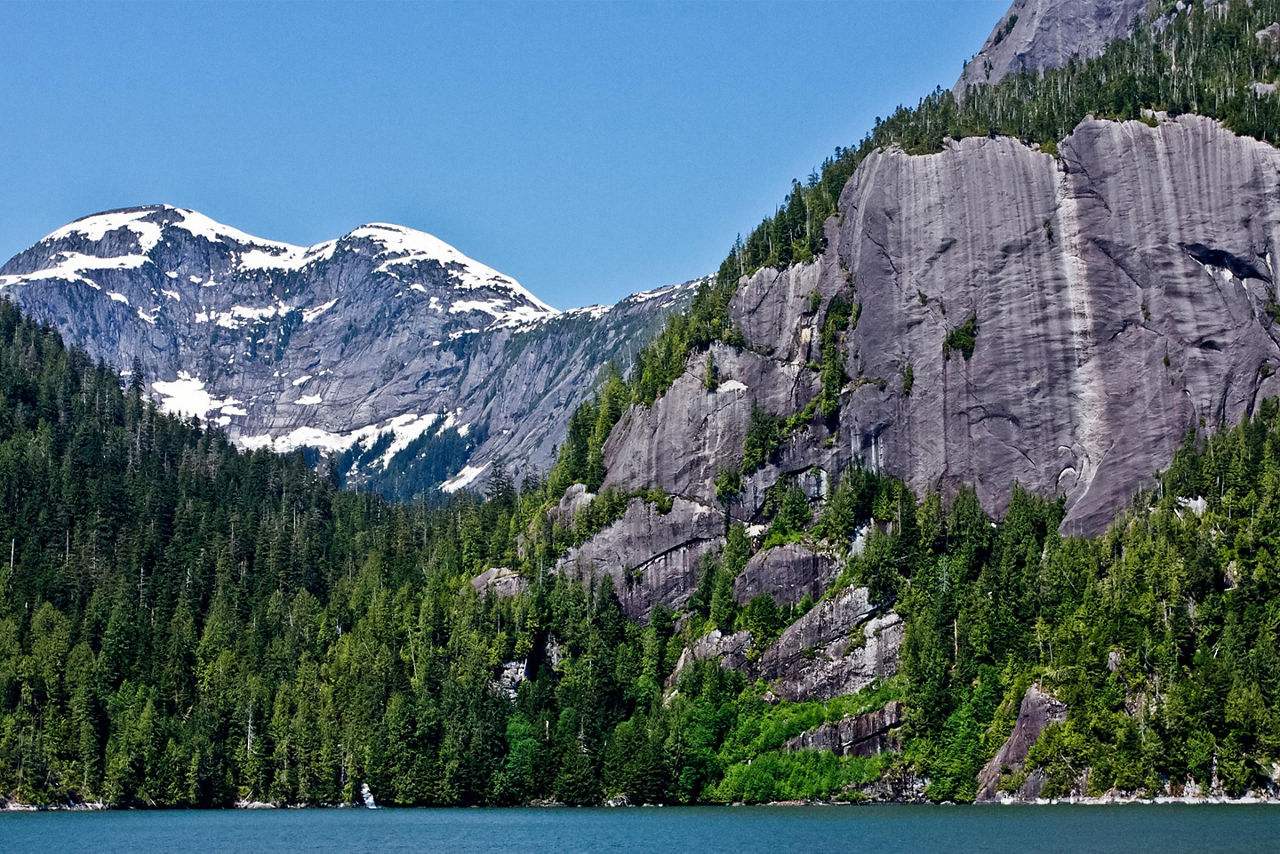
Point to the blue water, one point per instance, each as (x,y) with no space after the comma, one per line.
(879,829)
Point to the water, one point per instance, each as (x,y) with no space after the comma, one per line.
(879,829)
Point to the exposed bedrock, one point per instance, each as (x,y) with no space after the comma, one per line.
(839,647)
(856,735)
(788,573)
(1120,296)
(1037,712)
(1035,35)
(653,557)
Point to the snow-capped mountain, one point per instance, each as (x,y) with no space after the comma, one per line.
(386,347)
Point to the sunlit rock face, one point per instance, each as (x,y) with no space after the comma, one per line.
(1120,294)
(1035,35)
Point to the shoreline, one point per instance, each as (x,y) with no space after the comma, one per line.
(1102,801)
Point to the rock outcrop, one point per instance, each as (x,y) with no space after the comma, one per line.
(730,651)
(1120,295)
(652,557)
(839,647)
(1035,35)
(1038,711)
(372,344)
(857,735)
(502,580)
(788,573)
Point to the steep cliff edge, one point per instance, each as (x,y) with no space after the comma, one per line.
(1118,296)
(1122,295)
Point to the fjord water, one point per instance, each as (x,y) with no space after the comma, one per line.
(883,829)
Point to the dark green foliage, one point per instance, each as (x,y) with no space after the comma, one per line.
(962,338)
(763,440)
(908,379)
(839,315)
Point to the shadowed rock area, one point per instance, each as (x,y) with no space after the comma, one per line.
(788,573)
(857,735)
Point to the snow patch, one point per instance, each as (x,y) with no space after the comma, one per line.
(302,379)
(186,396)
(402,247)
(311,314)
(118,297)
(309,400)
(463,478)
(99,225)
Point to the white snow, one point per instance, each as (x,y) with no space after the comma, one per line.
(99,225)
(731,385)
(186,396)
(173,295)
(493,306)
(406,429)
(463,478)
(118,297)
(302,379)
(591,312)
(402,246)
(309,400)
(311,314)
(149,317)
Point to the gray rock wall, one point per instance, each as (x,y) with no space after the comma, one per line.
(1038,711)
(652,557)
(1085,274)
(1046,34)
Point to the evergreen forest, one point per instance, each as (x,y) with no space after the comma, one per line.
(186,624)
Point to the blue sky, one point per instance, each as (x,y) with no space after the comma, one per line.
(588,149)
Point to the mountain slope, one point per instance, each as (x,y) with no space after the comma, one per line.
(374,344)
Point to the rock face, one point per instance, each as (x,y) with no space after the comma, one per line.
(729,650)
(1035,35)
(1120,294)
(858,735)
(788,573)
(652,557)
(691,434)
(1037,712)
(503,581)
(380,343)
(839,647)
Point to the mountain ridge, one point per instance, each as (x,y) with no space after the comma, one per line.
(385,334)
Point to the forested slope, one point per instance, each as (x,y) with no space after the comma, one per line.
(186,624)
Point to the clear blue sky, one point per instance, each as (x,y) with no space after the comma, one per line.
(588,149)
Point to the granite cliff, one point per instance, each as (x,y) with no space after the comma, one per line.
(1038,34)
